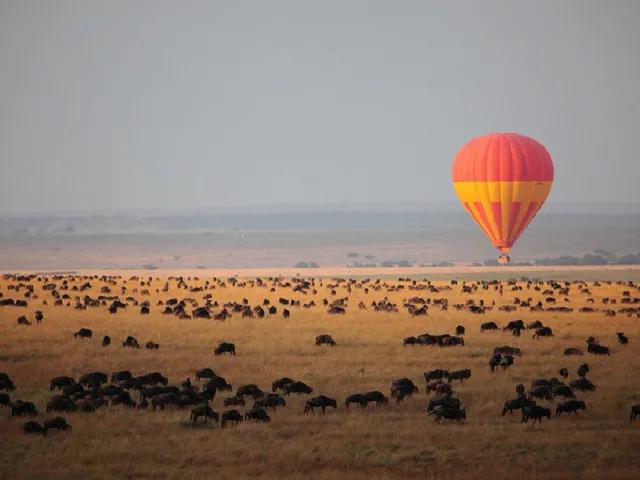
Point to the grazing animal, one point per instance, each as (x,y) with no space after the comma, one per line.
(5,400)
(61,403)
(572,351)
(543,332)
(582,384)
(225,347)
(437,374)
(635,412)
(202,411)
(257,414)
(622,338)
(564,373)
(131,342)
(597,349)
(583,370)
(152,346)
(535,412)
(231,416)
(61,382)
(33,428)
(106,341)
(459,375)
(562,391)
(6,383)
(299,388)
(377,397)
(39,316)
(515,404)
(402,388)
(22,320)
(357,398)
(83,333)
(20,408)
(57,423)
(322,402)
(448,413)
(460,330)
(488,326)
(325,340)
(281,384)
(571,406)
(235,400)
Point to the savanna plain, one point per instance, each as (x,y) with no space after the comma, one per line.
(398,440)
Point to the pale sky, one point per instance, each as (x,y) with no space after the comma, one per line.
(125,105)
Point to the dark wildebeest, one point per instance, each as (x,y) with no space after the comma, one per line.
(562,391)
(448,413)
(5,400)
(257,414)
(6,383)
(622,338)
(402,388)
(131,342)
(322,402)
(33,428)
(123,398)
(271,400)
(460,330)
(300,388)
(205,373)
(542,392)
(597,349)
(582,384)
(543,332)
(231,416)
(39,316)
(203,410)
(325,340)
(583,370)
(356,398)
(152,346)
(57,423)
(20,408)
(459,375)
(123,375)
(83,333)
(535,412)
(635,412)
(515,404)
(281,384)
(507,350)
(570,406)
(286,313)
(488,326)
(235,400)
(436,374)
(225,347)
(22,320)
(564,373)
(61,382)
(572,351)
(106,341)
(61,403)
(377,397)
(250,390)
(514,325)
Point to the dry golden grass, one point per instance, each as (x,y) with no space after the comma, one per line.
(395,442)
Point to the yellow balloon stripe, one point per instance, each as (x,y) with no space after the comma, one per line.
(493,205)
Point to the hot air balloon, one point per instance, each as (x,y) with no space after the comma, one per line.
(502,179)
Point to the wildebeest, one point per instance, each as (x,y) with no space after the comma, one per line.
(61,403)
(83,333)
(120,376)
(460,330)
(20,408)
(203,410)
(448,413)
(377,397)
(570,406)
(543,332)
(635,412)
(436,374)
(106,341)
(257,414)
(597,349)
(516,404)
(562,391)
(235,400)
(325,340)
(131,342)
(459,375)
(402,388)
(535,412)
(582,384)
(152,346)
(225,347)
(271,400)
(583,370)
(572,351)
(622,338)
(205,373)
(39,316)
(564,373)
(300,388)
(33,428)
(123,398)
(6,383)
(22,320)
(231,416)
(542,392)
(5,400)
(249,390)
(507,350)
(357,398)
(487,326)
(281,384)
(93,379)
(56,423)
(61,382)
(321,402)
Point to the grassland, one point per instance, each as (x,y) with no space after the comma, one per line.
(399,441)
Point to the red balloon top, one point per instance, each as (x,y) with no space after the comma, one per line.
(503,157)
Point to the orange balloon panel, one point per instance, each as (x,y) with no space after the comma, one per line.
(502,179)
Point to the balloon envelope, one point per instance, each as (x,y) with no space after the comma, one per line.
(502,179)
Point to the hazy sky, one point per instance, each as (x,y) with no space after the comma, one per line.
(170,105)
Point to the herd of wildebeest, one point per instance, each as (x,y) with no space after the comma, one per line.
(96,390)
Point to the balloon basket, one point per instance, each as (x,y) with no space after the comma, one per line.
(504,260)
